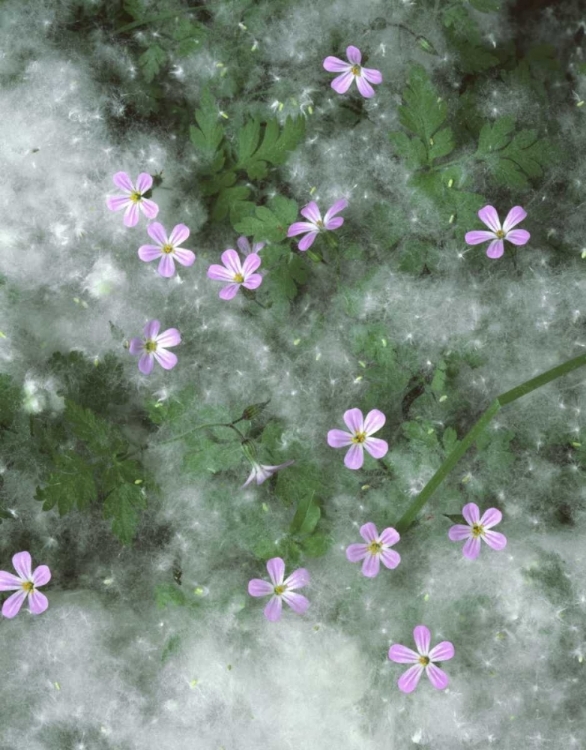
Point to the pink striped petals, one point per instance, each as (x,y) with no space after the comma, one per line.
(315,224)
(281,589)
(260,472)
(352,71)
(167,248)
(422,660)
(359,437)
(478,528)
(498,234)
(376,550)
(154,347)
(25,586)
(235,273)
(132,199)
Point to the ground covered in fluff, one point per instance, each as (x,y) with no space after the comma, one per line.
(125,443)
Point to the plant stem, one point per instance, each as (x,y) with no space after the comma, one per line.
(505,398)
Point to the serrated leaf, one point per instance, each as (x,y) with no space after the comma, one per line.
(99,435)
(423,112)
(152,61)
(317,545)
(257,147)
(410,149)
(230,200)
(441,144)
(209,133)
(269,222)
(169,594)
(306,516)
(70,485)
(123,506)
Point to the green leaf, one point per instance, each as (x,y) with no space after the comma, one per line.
(70,485)
(123,506)
(256,148)
(449,440)
(269,222)
(485,6)
(316,545)
(99,435)
(171,648)
(169,595)
(210,132)
(410,149)
(464,36)
(10,400)
(5,515)
(152,61)
(286,276)
(230,201)
(438,383)
(306,516)
(417,255)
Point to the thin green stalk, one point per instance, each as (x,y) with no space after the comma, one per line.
(506,398)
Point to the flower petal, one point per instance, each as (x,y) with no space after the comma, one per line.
(9,582)
(402,654)
(251,263)
(354,420)
(518,237)
(458,532)
(179,234)
(297,602)
(243,245)
(390,558)
(41,575)
(151,330)
(123,182)
(514,217)
(354,458)
(144,182)
(369,532)
(334,223)
(356,552)
(276,568)
(219,273)
(257,247)
(475,238)
(166,266)
(374,421)
(12,605)
(339,439)
(253,281)
(372,75)
(300,227)
(341,84)
(37,602)
(442,652)
(495,539)
(131,214)
(149,252)
(495,249)
(146,363)
(364,87)
(118,202)
(149,208)
(354,55)
(471,513)
(23,565)
(491,517)
(338,206)
(311,212)
(157,232)
(489,216)
(376,447)
(408,680)
(371,566)
(184,256)
(297,580)
(229,292)
(258,587)
(136,346)
(390,536)
(231,260)
(438,678)
(170,337)
(422,638)
(306,242)
(274,609)
(335,65)
(471,549)
(166,359)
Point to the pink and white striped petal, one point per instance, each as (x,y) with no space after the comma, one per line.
(489,216)
(179,234)
(276,570)
(297,602)
(515,216)
(374,421)
(471,513)
(354,458)
(438,678)
(354,420)
(422,638)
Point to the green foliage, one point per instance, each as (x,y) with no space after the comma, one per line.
(464,36)
(152,61)
(306,516)
(257,148)
(269,222)
(169,595)
(209,132)
(418,256)
(10,401)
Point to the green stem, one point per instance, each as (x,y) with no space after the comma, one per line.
(505,398)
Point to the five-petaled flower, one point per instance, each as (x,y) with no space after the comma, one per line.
(244,246)
(24,585)
(154,346)
(422,661)
(498,234)
(236,273)
(316,224)
(352,70)
(477,529)
(377,548)
(133,198)
(360,437)
(167,249)
(281,589)
(261,473)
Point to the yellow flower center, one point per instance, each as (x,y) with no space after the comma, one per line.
(150,346)
(374,548)
(320,224)
(29,587)
(167,249)
(360,437)
(424,661)
(239,278)
(500,234)
(477,530)
(135,196)
(355,70)
(280,589)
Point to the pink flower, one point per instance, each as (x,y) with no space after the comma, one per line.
(477,530)
(281,589)
(168,248)
(489,216)
(244,246)
(154,346)
(261,473)
(236,273)
(359,437)
(377,549)
(351,71)
(422,661)
(316,224)
(133,199)
(25,585)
